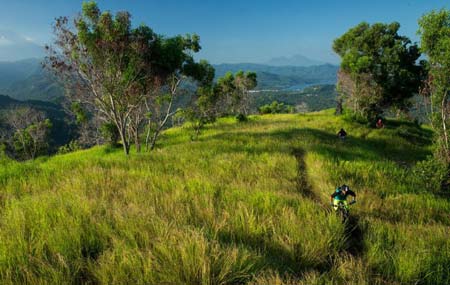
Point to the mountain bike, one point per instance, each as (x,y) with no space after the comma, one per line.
(342,211)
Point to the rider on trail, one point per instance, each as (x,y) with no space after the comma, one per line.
(342,134)
(340,196)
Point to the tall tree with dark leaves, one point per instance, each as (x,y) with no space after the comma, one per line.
(378,68)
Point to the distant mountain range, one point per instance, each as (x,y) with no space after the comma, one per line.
(284,77)
(295,60)
(27,80)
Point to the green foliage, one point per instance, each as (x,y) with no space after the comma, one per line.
(123,71)
(81,116)
(61,132)
(70,147)
(241,118)
(435,43)
(235,91)
(430,174)
(310,99)
(275,108)
(110,134)
(378,68)
(33,140)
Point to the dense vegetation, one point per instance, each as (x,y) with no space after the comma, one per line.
(246,203)
(62,131)
(310,99)
(378,70)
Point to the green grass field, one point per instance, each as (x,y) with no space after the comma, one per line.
(247,203)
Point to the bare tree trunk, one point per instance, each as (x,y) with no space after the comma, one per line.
(444,125)
(154,138)
(124,139)
(147,137)
(136,141)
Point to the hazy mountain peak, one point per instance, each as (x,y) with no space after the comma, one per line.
(295,60)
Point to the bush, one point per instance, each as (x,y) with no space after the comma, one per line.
(275,108)
(241,118)
(430,174)
(70,147)
(351,116)
(110,134)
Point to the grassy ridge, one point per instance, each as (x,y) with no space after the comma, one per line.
(245,204)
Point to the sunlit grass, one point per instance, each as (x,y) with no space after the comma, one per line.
(227,209)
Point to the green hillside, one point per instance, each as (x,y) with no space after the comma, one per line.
(245,204)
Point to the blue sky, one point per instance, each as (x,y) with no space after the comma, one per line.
(230,31)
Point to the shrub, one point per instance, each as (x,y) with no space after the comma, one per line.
(110,133)
(275,108)
(430,174)
(241,118)
(70,147)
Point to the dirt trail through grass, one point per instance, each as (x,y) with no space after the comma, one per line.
(353,230)
(303,186)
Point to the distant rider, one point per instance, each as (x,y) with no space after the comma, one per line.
(342,134)
(340,196)
(380,124)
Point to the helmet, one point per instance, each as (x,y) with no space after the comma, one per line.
(345,187)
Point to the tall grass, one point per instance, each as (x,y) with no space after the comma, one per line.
(227,209)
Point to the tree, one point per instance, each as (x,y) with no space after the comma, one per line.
(378,68)
(87,124)
(30,130)
(131,75)
(105,61)
(175,65)
(434,29)
(203,108)
(235,90)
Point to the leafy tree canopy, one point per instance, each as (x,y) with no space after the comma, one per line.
(377,53)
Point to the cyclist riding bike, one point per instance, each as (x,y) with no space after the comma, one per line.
(340,196)
(342,134)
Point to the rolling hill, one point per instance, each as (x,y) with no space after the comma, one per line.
(246,203)
(26,80)
(284,77)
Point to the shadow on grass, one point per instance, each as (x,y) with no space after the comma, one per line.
(355,237)
(318,141)
(303,186)
(274,255)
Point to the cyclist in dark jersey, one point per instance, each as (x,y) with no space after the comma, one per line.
(340,196)
(342,134)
